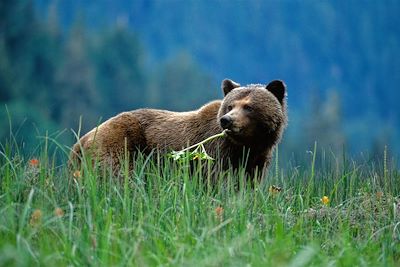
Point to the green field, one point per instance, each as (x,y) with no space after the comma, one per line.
(164,213)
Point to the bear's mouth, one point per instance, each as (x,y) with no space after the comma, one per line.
(236,136)
(233,131)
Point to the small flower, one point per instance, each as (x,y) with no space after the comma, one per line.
(58,212)
(77,174)
(34,162)
(325,200)
(219,211)
(36,217)
(274,189)
(177,155)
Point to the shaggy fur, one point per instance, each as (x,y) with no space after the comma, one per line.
(254,116)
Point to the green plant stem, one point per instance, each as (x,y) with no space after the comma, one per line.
(222,134)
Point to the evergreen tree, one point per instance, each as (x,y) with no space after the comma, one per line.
(76,93)
(17,30)
(5,74)
(181,85)
(120,75)
(323,123)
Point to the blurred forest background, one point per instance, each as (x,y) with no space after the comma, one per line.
(340,60)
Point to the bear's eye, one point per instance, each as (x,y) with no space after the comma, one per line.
(247,108)
(230,107)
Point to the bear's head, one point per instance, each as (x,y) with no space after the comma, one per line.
(253,114)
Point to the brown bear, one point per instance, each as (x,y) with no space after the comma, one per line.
(254,117)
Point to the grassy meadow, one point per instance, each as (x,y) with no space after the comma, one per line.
(327,212)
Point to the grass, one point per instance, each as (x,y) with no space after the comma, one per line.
(162,213)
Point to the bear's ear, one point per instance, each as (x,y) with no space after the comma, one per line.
(228,85)
(278,89)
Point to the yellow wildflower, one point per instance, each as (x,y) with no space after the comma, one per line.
(77,174)
(274,189)
(325,200)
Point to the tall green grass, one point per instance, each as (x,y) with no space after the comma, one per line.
(166,213)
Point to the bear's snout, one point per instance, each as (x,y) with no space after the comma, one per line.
(226,122)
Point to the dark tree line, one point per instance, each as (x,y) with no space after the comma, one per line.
(50,77)
(60,60)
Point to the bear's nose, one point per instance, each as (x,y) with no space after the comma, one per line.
(226,122)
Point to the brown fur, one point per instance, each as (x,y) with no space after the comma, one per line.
(257,114)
